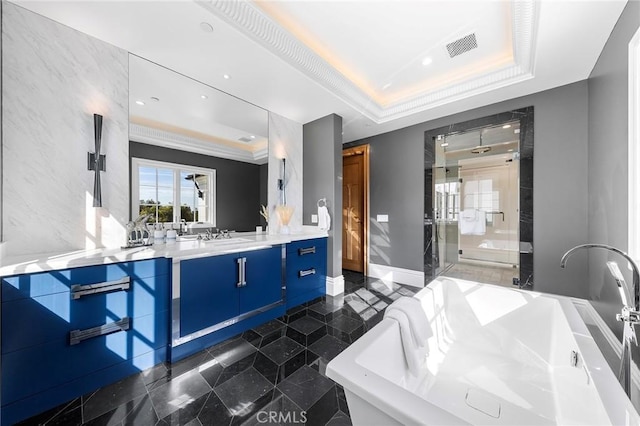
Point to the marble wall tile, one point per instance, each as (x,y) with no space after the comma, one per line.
(53,80)
(285,141)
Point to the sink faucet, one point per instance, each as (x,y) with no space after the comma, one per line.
(629,316)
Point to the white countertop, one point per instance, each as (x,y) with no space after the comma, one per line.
(177,251)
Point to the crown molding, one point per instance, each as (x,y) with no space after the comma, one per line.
(149,135)
(254,23)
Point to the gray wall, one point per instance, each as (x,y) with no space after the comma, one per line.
(608,167)
(560,182)
(322,178)
(237,184)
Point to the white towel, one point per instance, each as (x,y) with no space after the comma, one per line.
(469,214)
(418,322)
(414,355)
(414,331)
(324,220)
(473,222)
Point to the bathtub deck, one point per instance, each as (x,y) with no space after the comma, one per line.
(529,393)
(496,357)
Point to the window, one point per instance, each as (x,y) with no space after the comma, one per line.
(172,192)
(634,148)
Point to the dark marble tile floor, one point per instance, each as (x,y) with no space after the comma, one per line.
(275,369)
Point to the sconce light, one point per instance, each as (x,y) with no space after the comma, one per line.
(281,182)
(97,161)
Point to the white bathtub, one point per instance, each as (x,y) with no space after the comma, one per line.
(497,356)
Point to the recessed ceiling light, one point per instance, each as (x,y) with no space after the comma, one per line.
(252,137)
(203,96)
(510,150)
(139,102)
(155,99)
(206,27)
(226,76)
(427,61)
(506,126)
(516,131)
(444,144)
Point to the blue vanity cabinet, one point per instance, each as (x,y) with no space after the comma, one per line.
(216,289)
(263,280)
(68,332)
(306,270)
(208,292)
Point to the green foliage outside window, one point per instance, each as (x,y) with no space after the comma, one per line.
(164,212)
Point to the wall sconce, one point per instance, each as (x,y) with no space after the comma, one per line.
(96,161)
(281,182)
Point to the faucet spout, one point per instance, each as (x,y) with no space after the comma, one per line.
(635,287)
(628,316)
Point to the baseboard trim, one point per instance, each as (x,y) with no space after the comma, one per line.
(397,275)
(335,285)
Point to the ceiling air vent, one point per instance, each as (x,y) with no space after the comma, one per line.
(462,45)
(245,139)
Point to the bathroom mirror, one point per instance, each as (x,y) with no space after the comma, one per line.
(197,154)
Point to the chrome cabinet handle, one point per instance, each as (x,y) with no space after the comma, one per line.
(78,291)
(77,336)
(308,250)
(239,283)
(242,272)
(306,272)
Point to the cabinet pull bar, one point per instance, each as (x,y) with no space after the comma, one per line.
(77,336)
(244,272)
(306,272)
(77,291)
(308,250)
(240,273)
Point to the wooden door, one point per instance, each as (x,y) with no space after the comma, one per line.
(354,213)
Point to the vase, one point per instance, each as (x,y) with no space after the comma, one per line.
(284,213)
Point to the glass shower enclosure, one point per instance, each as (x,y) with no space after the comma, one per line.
(475,226)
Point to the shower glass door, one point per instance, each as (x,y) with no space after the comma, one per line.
(446,209)
(488,224)
(475,204)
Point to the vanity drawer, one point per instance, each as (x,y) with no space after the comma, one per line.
(298,286)
(307,248)
(44,283)
(306,270)
(35,369)
(33,321)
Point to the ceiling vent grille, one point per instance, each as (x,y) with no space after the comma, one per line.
(462,45)
(245,139)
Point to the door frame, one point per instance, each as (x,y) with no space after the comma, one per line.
(364,151)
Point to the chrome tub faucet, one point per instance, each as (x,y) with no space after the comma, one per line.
(629,315)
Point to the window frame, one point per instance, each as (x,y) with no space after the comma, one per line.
(177,169)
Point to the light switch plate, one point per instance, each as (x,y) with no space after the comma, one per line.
(382,218)
(314,218)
